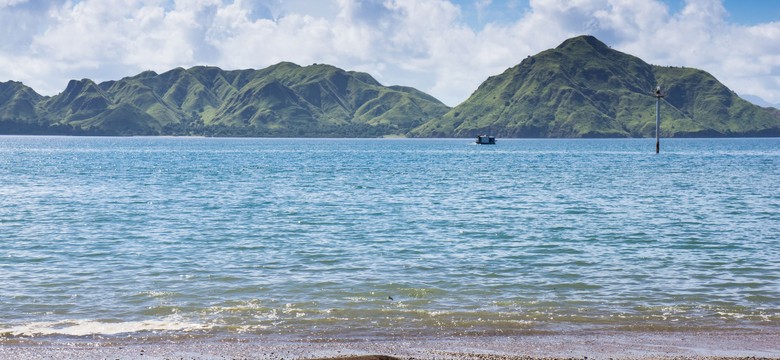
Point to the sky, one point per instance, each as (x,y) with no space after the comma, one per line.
(446,48)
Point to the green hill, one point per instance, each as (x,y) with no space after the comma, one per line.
(281,100)
(583,88)
(19,113)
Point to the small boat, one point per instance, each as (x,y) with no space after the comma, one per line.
(486,140)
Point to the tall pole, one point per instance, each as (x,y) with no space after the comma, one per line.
(658,96)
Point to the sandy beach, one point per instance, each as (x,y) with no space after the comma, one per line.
(759,344)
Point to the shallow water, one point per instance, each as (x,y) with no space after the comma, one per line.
(313,237)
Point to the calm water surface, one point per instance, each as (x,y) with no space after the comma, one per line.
(333,237)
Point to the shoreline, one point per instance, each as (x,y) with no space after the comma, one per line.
(764,343)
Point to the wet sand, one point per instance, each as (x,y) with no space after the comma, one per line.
(764,344)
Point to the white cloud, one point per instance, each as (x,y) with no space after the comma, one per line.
(6,3)
(744,58)
(425,44)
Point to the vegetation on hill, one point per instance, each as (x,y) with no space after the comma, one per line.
(281,100)
(582,88)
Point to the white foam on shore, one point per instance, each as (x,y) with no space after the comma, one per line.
(92,327)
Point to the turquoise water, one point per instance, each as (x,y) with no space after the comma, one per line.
(313,237)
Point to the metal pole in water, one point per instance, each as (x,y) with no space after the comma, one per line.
(658,96)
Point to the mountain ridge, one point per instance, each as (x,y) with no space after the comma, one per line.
(282,100)
(581,88)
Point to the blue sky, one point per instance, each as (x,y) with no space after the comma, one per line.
(740,11)
(751,11)
(443,47)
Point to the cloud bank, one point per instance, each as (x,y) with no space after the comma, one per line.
(436,46)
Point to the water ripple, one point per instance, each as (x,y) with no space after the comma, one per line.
(438,236)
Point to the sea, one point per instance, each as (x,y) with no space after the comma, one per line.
(172,237)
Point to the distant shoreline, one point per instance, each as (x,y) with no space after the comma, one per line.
(390,137)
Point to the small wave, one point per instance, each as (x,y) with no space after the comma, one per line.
(93,327)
